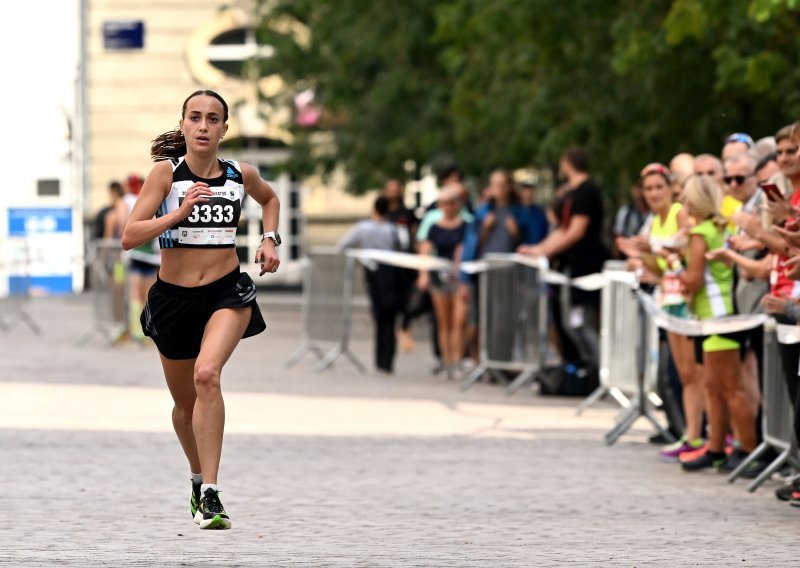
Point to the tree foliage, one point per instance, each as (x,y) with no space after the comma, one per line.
(511,84)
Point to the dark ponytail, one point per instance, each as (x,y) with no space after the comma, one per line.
(168,145)
(172,144)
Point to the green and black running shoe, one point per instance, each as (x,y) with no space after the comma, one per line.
(194,502)
(212,513)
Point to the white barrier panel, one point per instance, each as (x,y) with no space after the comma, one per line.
(327,308)
(695,328)
(778,409)
(513,320)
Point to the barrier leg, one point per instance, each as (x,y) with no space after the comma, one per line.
(599,392)
(659,428)
(620,397)
(497,376)
(328,360)
(754,455)
(473,377)
(297,355)
(631,416)
(25,317)
(770,469)
(522,379)
(354,360)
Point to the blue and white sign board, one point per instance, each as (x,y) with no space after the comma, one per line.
(123,35)
(39,250)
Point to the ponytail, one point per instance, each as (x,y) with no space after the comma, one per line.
(719,221)
(169,145)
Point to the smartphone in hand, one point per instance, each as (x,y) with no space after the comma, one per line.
(772,192)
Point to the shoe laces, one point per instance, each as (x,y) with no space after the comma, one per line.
(212,501)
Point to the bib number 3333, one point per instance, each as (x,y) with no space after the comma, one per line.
(212,213)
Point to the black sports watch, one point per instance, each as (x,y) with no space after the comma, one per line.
(273,236)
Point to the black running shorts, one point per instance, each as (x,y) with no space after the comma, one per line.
(175,317)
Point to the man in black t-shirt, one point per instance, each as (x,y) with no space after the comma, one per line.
(576,248)
(576,244)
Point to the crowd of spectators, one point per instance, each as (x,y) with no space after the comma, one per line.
(722,239)
(709,235)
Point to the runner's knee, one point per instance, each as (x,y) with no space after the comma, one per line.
(206,378)
(184,412)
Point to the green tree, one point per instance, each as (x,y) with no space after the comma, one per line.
(510,84)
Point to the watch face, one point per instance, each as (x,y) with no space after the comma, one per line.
(277,238)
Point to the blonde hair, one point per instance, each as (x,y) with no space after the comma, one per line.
(702,195)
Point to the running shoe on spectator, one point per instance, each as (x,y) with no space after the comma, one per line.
(785,492)
(705,461)
(672,452)
(693,454)
(794,501)
(735,459)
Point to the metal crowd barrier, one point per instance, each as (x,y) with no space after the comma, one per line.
(107,285)
(15,258)
(612,359)
(778,410)
(512,320)
(628,354)
(328,278)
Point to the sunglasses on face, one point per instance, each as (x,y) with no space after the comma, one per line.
(738,179)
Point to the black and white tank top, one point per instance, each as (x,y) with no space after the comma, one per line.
(211,224)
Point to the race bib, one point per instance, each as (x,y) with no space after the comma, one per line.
(214,222)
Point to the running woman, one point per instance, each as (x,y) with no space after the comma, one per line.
(201,305)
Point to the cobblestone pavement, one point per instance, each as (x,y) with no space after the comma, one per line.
(338,469)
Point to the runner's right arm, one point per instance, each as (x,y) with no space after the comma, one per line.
(142,225)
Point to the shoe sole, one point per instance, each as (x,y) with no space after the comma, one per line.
(215,523)
(198,517)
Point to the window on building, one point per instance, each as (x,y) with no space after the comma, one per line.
(48,188)
(230,50)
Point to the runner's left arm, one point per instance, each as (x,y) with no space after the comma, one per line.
(265,196)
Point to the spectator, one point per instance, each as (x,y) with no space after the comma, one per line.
(577,247)
(535,226)
(445,241)
(708,165)
(385,292)
(631,217)
(668,232)
(767,167)
(681,166)
(115,193)
(788,162)
(498,228)
(710,283)
(433,216)
(763,148)
(752,271)
(737,143)
(406,223)
(143,264)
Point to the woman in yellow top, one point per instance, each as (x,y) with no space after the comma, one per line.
(668,229)
(710,283)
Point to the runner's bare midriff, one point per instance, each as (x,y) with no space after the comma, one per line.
(191,267)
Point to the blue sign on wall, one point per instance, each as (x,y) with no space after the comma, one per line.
(24,221)
(123,34)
